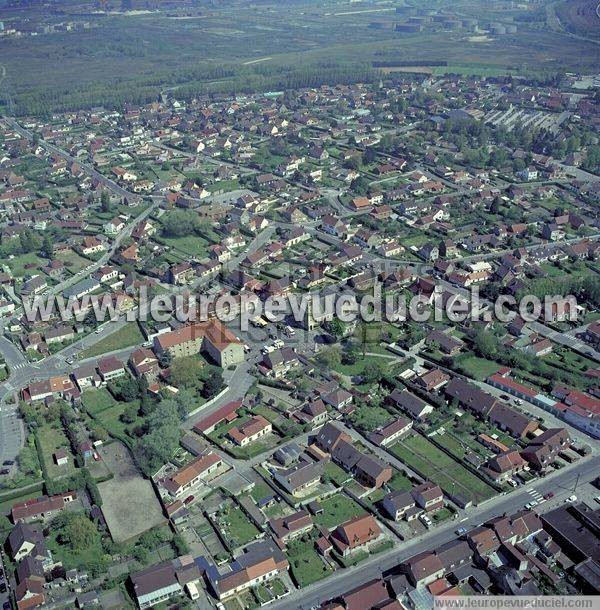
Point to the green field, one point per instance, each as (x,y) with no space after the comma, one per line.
(306,565)
(122,58)
(419,453)
(110,419)
(338,509)
(477,368)
(18,263)
(97,400)
(239,529)
(127,336)
(51,439)
(188,246)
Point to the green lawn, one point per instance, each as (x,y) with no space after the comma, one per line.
(239,529)
(51,439)
(359,366)
(336,474)
(477,368)
(419,453)
(188,246)
(110,418)
(370,417)
(127,336)
(306,565)
(260,490)
(73,262)
(95,400)
(18,263)
(400,482)
(338,509)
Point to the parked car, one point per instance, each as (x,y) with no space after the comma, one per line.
(4,471)
(460,531)
(8,462)
(572,498)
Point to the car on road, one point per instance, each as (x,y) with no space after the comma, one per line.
(572,498)
(531,504)
(460,531)
(98,330)
(548,495)
(70,360)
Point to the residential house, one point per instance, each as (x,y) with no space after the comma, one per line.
(41,508)
(292,526)
(391,432)
(424,569)
(259,562)
(301,477)
(414,406)
(110,367)
(505,465)
(246,433)
(356,535)
(195,472)
(166,580)
(542,451)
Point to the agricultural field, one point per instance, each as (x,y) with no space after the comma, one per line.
(579,16)
(145,52)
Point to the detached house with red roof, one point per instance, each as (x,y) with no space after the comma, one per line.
(250,431)
(193,474)
(356,535)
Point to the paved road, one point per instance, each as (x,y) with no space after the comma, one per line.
(88,169)
(561,483)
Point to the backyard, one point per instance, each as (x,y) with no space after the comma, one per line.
(419,453)
(337,509)
(306,564)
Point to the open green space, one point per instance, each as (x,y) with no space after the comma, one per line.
(188,246)
(237,527)
(122,58)
(97,400)
(51,438)
(127,336)
(19,263)
(477,368)
(419,453)
(337,509)
(306,565)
